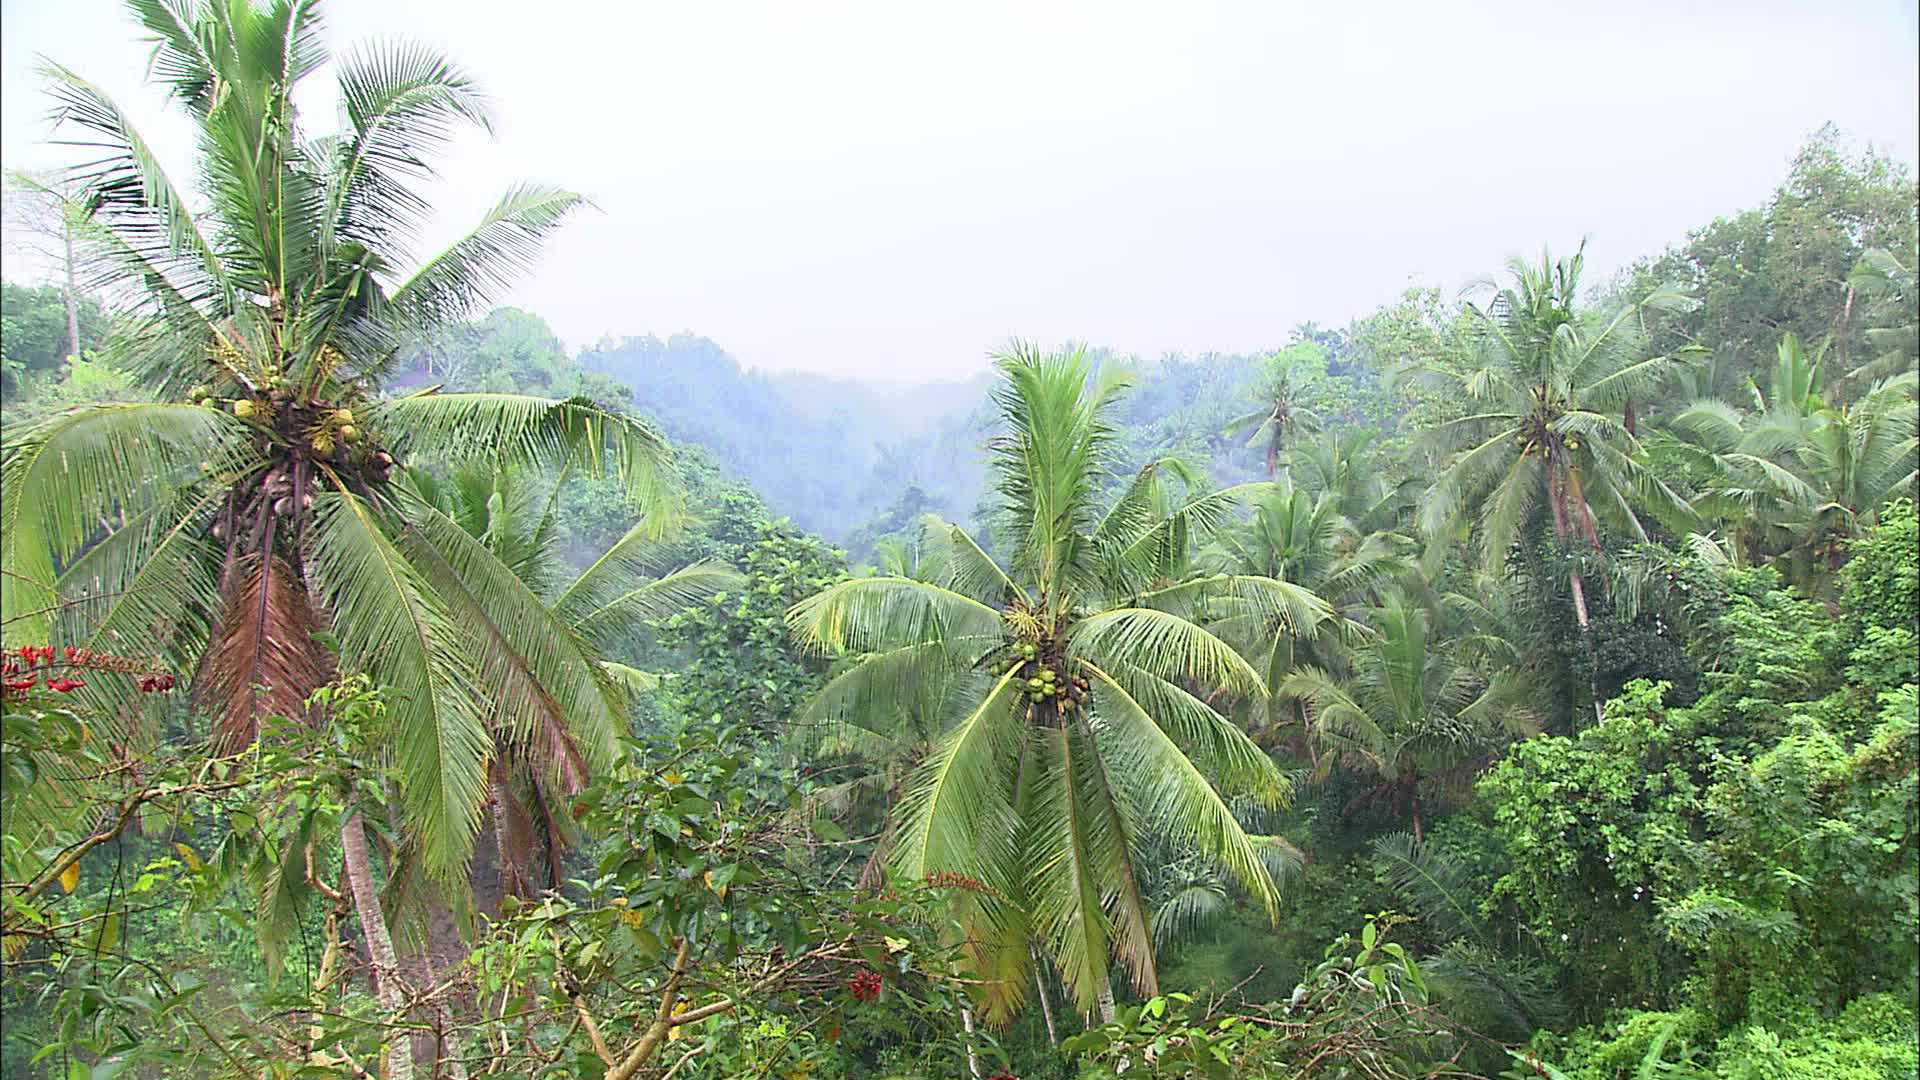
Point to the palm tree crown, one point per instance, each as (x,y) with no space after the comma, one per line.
(1556,381)
(253,502)
(1074,722)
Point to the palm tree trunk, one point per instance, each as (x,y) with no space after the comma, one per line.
(73,306)
(973,1057)
(373,926)
(1046,1000)
(1106,1001)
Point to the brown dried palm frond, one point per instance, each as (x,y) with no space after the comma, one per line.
(262,659)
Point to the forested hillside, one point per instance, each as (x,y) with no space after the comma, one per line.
(1518,683)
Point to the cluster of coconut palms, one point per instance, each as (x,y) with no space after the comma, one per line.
(1113,663)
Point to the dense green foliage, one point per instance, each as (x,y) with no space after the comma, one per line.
(1526,686)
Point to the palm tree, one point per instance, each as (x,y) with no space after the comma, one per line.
(1555,381)
(252,504)
(1796,477)
(1347,463)
(1888,291)
(534,771)
(1074,724)
(1413,709)
(1287,373)
(1296,537)
(880,721)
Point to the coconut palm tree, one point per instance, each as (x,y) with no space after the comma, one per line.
(1347,463)
(1413,709)
(474,513)
(1074,723)
(1795,477)
(1300,538)
(250,510)
(1552,380)
(1288,374)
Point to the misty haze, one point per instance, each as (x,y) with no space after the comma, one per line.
(1010,542)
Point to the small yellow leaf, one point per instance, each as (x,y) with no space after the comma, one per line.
(894,944)
(193,861)
(673,778)
(70,877)
(633,919)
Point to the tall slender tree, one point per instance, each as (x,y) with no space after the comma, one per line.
(1552,380)
(252,504)
(1075,725)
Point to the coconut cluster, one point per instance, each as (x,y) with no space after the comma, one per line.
(1537,433)
(301,433)
(1043,674)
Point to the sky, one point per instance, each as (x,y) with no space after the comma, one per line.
(891,190)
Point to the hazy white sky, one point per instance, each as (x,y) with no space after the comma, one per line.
(890,189)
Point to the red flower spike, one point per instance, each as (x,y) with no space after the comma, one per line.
(866,985)
(72,654)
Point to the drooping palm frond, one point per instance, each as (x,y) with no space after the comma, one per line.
(660,598)
(873,614)
(68,476)
(1218,746)
(263,659)
(509,430)
(392,624)
(1172,794)
(958,815)
(1074,838)
(149,590)
(1433,884)
(1162,644)
(1189,913)
(642,552)
(478,266)
(877,687)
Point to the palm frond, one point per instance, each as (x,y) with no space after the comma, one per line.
(507,430)
(1191,911)
(1172,794)
(542,680)
(263,659)
(871,614)
(402,102)
(69,474)
(1165,645)
(957,814)
(479,266)
(967,569)
(661,598)
(392,624)
(1233,761)
(1432,883)
(1074,859)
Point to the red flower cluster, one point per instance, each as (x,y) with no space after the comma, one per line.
(25,666)
(1003,1076)
(866,985)
(945,879)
